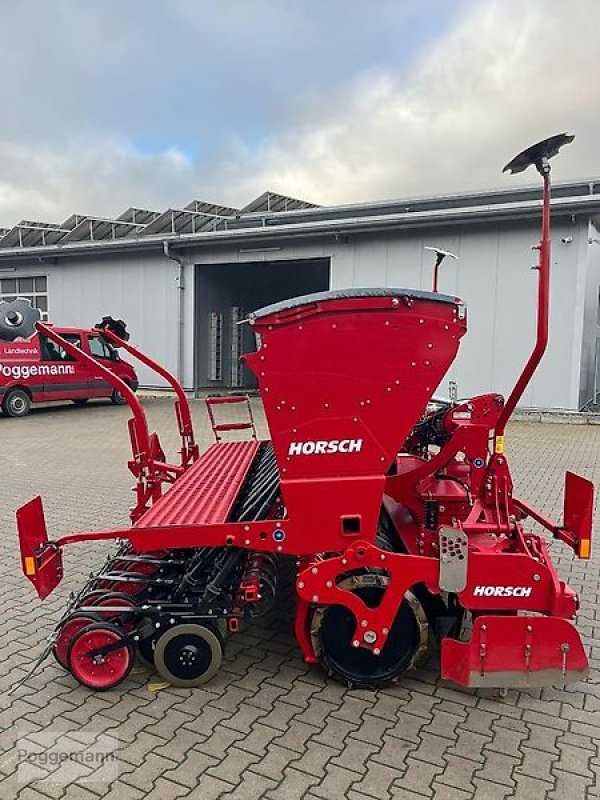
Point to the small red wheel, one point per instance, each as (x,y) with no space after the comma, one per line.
(103,584)
(91,598)
(135,570)
(68,630)
(100,671)
(126,622)
(129,587)
(140,567)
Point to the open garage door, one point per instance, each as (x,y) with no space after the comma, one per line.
(225,294)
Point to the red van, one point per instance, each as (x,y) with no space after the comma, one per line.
(35,370)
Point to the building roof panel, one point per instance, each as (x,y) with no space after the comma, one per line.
(139,216)
(212,209)
(95,229)
(28,233)
(177,221)
(273,202)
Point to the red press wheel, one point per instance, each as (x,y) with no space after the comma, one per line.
(102,584)
(69,629)
(91,598)
(126,622)
(100,672)
(137,570)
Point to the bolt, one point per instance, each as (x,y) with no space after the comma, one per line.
(315,598)
(385,631)
(364,623)
(329,584)
(301,584)
(314,570)
(536,577)
(376,651)
(356,643)
(370,637)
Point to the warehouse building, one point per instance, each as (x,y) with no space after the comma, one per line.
(184,279)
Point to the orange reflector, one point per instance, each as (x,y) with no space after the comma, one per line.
(499,448)
(584,548)
(29,565)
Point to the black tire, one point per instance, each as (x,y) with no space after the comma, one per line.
(117,398)
(16,403)
(80,401)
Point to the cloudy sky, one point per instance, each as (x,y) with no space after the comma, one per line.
(108,104)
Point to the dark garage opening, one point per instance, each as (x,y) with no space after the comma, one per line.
(226,294)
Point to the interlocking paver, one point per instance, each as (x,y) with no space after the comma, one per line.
(569,784)
(293,786)
(269,726)
(152,767)
(536,763)
(355,753)
(336,783)
(376,781)
(443,792)
(486,790)
(419,774)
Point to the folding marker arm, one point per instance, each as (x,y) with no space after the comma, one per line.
(576,530)
(189,451)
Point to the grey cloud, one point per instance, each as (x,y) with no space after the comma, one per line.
(110,105)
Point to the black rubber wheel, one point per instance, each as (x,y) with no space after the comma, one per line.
(16,403)
(81,401)
(357,666)
(188,654)
(117,398)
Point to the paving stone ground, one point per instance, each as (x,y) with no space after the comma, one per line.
(268,726)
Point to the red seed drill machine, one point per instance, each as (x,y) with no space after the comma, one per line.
(399,512)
